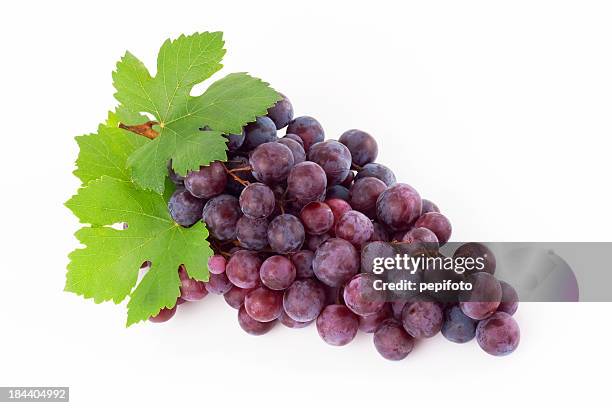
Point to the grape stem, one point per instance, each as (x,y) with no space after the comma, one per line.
(236,177)
(145,129)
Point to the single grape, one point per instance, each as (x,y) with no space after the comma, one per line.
(364,193)
(338,191)
(333,157)
(373,250)
(308,129)
(163,315)
(252,233)
(289,322)
(475,250)
(304,300)
(286,234)
(339,207)
(380,171)
(354,227)
(216,264)
(317,218)
(243,269)
(306,182)
(257,200)
(294,137)
(457,327)
(302,260)
(207,182)
(218,284)
(380,232)
(362,146)
(369,324)
(282,112)
(313,242)
(277,272)
(184,208)
(221,215)
(252,326)
(420,235)
(498,335)
(428,206)
(263,304)
(297,150)
(399,206)
(392,342)
(361,297)
(337,325)
(438,224)
(235,296)
(263,130)
(509,300)
(484,298)
(422,317)
(175,178)
(235,141)
(271,162)
(336,261)
(191,289)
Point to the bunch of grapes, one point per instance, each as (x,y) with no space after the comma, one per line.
(293,221)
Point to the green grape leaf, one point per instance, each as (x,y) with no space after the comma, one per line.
(107,267)
(225,107)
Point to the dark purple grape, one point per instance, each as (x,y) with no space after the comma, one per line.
(271,162)
(338,191)
(263,130)
(380,232)
(498,335)
(235,141)
(484,298)
(277,272)
(457,327)
(252,326)
(257,200)
(294,137)
(398,206)
(221,215)
(369,324)
(175,178)
(339,207)
(163,315)
(184,208)
(380,171)
(302,260)
(252,233)
(336,261)
(191,289)
(510,299)
(392,342)
(218,284)
(308,129)
(216,264)
(361,296)
(235,296)
(281,113)
(286,234)
(362,146)
(313,242)
(334,158)
(207,182)
(421,235)
(475,250)
(297,150)
(422,317)
(354,227)
(289,322)
(317,218)
(428,206)
(263,304)
(304,300)
(348,181)
(333,296)
(243,269)
(337,325)
(437,223)
(364,193)
(306,182)
(373,250)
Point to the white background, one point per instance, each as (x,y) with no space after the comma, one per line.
(497,111)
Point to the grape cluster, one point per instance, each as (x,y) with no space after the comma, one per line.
(295,222)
